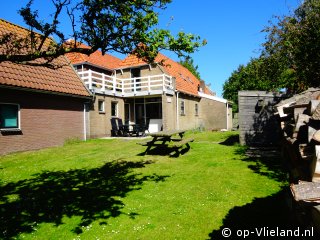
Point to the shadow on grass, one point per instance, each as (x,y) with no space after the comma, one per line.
(92,194)
(266,161)
(230,141)
(269,212)
(262,213)
(165,150)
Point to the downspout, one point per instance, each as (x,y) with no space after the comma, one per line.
(84,122)
(227,116)
(177,108)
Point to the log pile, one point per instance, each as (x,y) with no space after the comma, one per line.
(300,124)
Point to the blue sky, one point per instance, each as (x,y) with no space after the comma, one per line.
(231,27)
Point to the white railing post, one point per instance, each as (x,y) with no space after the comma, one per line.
(149,83)
(134,86)
(163,83)
(103,82)
(122,86)
(90,79)
(114,84)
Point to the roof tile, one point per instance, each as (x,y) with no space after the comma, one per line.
(185,81)
(62,79)
(97,58)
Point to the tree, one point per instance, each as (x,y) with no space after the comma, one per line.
(293,42)
(246,77)
(290,56)
(107,25)
(188,63)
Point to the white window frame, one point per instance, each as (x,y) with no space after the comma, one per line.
(19,118)
(103,106)
(116,105)
(182,111)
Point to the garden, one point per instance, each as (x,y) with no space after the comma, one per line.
(105,189)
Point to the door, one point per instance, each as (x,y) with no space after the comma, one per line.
(127,113)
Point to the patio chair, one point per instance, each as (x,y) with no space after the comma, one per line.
(145,127)
(123,129)
(114,127)
(142,128)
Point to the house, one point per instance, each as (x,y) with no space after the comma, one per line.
(165,93)
(39,106)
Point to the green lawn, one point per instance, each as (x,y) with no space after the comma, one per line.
(103,189)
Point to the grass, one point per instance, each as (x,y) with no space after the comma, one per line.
(103,189)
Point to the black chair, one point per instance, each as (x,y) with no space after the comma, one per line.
(142,128)
(114,127)
(123,129)
(145,127)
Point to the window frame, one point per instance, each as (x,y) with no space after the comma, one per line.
(103,110)
(18,128)
(116,109)
(182,107)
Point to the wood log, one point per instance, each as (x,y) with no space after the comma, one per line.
(280,109)
(313,126)
(316,136)
(316,113)
(301,120)
(315,218)
(313,104)
(315,165)
(306,151)
(301,109)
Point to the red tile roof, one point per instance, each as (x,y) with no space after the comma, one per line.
(62,79)
(106,61)
(185,81)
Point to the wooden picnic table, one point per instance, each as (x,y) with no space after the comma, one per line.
(176,137)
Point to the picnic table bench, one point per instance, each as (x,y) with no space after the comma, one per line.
(164,139)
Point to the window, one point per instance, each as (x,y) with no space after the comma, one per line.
(136,73)
(154,110)
(114,109)
(196,109)
(9,116)
(182,108)
(101,106)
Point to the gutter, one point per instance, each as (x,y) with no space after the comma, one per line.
(45,91)
(177,112)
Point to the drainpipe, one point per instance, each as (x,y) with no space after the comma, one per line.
(177,107)
(84,122)
(227,116)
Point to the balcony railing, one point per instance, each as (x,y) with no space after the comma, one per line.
(149,85)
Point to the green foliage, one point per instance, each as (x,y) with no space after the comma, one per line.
(290,57)
(110,25)
(294,43)
(248,77)
(188,63)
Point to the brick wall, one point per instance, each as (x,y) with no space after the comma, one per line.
(46,120)
(100,124)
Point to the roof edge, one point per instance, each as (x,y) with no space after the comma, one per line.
(45,92)
(215,98)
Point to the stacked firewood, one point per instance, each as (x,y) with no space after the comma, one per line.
(300,124)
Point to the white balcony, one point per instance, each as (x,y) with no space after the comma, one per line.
(127,87)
